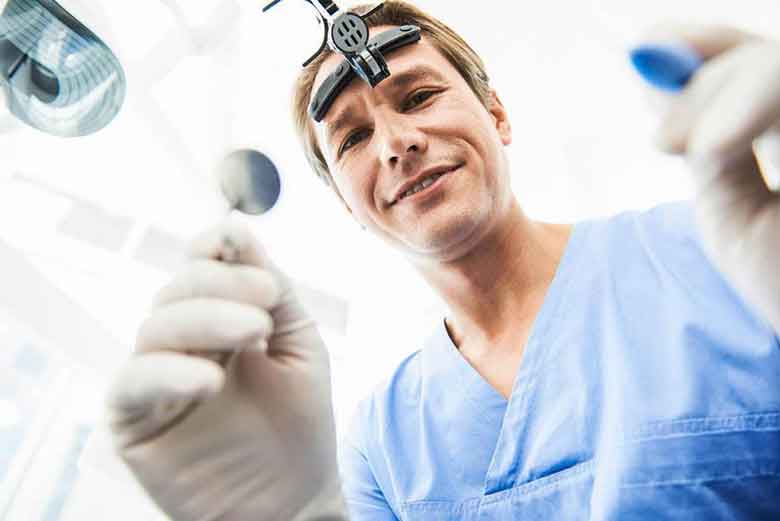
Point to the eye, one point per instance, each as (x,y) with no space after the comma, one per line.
(353,139)
(418,98)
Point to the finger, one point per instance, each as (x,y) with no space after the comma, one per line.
(212,279)
(712,43)
(767,149)
(744,108)
(720,151)
(154,390)
(293,323)
(686,108)
(204,325)
(708,40)
(150,378)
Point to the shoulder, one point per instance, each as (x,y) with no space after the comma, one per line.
(375,413)
(659,243)
(668,238)
(657,254)
(370,444)
(670,225)
(664,225)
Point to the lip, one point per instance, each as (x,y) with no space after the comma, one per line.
(445,170)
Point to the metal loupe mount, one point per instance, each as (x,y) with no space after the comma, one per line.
(347,34)
(56,74)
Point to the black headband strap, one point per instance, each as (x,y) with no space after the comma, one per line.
(336,82)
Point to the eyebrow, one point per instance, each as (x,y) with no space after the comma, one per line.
(396,82)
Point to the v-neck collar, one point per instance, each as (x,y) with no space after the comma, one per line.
(467,406)
(451,362)
(506,457)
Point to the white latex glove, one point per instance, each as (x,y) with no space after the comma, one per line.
(731,101)
(254,441)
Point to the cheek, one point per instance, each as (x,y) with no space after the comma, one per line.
(486,139)
(355,190)
(466,117)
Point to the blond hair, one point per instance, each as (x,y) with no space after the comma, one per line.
(396,13)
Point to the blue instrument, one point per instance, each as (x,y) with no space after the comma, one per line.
(666,67)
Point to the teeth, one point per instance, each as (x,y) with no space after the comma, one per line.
(425,183)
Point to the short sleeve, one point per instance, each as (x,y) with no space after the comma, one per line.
(365,499)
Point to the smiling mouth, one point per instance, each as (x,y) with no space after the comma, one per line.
(436,177)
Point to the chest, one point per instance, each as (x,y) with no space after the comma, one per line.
(500,365)
(622,422)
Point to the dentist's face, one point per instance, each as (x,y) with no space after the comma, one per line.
(421,124)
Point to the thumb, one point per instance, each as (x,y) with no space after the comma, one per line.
(234,242)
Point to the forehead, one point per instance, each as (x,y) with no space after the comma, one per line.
(405,58)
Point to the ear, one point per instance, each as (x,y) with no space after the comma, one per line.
(501,118)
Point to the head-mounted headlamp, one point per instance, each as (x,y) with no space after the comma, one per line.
(347,34)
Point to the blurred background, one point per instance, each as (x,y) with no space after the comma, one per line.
(91,227)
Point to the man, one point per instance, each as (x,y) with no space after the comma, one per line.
(604,370)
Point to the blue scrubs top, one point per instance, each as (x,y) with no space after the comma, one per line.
(648,390)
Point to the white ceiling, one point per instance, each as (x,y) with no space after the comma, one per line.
(205,76)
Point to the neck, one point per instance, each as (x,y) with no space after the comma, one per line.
(501,282)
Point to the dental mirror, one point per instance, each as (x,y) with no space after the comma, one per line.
(249,181)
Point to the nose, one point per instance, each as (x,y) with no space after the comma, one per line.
(401,142)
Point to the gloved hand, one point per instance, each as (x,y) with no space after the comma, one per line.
(254,440)
(732,100)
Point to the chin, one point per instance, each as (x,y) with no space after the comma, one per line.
(447,243)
